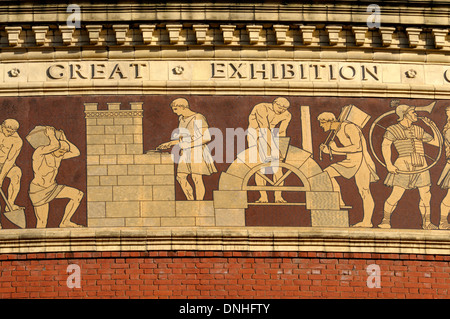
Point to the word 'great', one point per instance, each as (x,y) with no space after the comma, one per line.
(100,70)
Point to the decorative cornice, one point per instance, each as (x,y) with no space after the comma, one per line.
(436,242)
(147,32)
(413,36)
(121,32)
(13,34)
(66,34)
(386,35)
(307,32)
(253,33)
(360,34)
(94,33)
(174,32)
(439,37)
(352,36)
(333,33)
(280,32)
(200,32)
(40,33)
(227,33)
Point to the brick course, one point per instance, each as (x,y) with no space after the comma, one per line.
(220,274)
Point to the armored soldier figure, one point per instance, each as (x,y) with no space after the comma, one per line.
(408,140)
(444,179)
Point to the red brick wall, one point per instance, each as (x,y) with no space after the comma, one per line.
(195,274)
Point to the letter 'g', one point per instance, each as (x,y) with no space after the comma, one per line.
(56,71)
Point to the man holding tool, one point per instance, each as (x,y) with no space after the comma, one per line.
(192,136)
(10,147)
(266,123)
(358,163)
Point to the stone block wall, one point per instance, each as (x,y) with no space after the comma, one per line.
(125,187)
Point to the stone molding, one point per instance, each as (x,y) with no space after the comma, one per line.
(230,88)
(351,240)
(417,12)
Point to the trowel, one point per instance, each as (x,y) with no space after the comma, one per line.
(17,217)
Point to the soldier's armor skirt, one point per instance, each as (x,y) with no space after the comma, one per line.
(408,181)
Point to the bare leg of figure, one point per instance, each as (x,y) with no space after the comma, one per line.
(199,186)
(445,210)
(41,213)
(390,205)
(362,179)
(263,195)
(333,174)
(276,176)
(14,175)
(185,186)
(75,197)
(424,207)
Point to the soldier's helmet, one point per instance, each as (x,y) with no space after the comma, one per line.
(401,109)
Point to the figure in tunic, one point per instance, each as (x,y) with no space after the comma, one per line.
(192,137)
(267,122)
(357,164)
(43,189)
(408,140)
(10,147)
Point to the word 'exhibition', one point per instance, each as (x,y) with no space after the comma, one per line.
(294,71)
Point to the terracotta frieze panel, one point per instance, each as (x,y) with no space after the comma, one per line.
(118,161)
